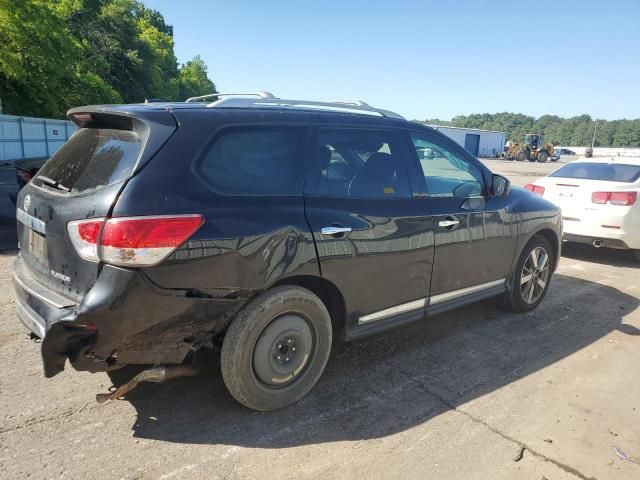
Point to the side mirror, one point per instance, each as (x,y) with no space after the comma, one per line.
(500,186)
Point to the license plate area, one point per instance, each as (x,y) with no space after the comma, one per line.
(36,245)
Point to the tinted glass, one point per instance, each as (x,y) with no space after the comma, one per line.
(256,161)
(446,172)
(611,172)
(93,158)
(359,163)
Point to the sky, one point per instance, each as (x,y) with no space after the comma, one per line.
(422,59)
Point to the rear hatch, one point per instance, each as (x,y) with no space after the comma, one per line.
(83,180)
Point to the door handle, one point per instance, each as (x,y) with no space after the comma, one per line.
(333,230)
(448,223)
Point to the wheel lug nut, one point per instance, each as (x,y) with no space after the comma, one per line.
(289,341)
(293,349)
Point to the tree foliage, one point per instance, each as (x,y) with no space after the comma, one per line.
(56,54)
(576,131)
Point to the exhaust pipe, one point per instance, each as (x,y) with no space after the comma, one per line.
(597,243)
(157,375)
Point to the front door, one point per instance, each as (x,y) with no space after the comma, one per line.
(475,234)
(373,244)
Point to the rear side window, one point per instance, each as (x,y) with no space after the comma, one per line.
(611,172)
(255,161)
(92,158)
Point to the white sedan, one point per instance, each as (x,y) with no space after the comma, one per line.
(599,201)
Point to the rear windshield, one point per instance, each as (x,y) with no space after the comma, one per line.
(611,172)
(92,158)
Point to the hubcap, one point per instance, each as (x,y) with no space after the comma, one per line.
(534,275)
(283,350)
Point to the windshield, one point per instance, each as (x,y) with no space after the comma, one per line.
(91,158)
(611,172)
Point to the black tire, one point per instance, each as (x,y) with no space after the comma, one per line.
(515,299)
(259,340)
(637,254)
(520,155)
(543,156)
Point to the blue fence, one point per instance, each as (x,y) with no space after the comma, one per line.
(28,137)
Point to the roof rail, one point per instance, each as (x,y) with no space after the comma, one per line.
(266,99)
(260,94)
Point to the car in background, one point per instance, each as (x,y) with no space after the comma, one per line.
(564,151)
(27,168)
(598,199)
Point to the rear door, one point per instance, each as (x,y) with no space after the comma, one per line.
(373,242)
(475,234)
(81,180)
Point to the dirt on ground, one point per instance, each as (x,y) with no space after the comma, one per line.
(476,393)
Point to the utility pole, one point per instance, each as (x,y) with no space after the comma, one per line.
(594,134)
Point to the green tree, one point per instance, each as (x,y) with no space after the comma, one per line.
(58,54)
(574,131)
(193,79)
(40,61)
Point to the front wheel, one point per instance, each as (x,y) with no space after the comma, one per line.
(543,156)
(532,276)
(276,349)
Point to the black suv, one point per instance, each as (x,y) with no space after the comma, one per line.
(265,226)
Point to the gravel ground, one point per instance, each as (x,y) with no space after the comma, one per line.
(476,393)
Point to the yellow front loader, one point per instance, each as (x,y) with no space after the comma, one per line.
(533,149)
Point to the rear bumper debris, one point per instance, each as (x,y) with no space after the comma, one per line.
(124,319)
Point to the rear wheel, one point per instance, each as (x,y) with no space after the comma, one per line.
(543,156)
(521,155)
(532,276)
(276,349)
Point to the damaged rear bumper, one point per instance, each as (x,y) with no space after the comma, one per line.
(124,319)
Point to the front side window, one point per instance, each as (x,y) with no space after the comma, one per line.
(255,161)
(446,172)
(359,163)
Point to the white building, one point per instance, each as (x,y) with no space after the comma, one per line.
(481,143)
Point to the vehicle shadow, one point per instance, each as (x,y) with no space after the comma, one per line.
(393,381)
(603,256)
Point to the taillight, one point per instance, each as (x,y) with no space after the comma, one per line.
(84,236)
(615,198)
(24,175)
(537,189)
(132,241)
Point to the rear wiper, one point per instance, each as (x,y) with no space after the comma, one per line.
(49,182)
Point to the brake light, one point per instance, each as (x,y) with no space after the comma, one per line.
(615,198)
(132,241)
(84,236)
(24,175)
(537,189)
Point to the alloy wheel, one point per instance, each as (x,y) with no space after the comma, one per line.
(534,275)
